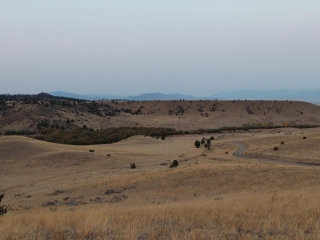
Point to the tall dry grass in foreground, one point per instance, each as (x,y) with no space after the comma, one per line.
(287,215)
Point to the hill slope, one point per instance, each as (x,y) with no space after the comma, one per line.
(181,115)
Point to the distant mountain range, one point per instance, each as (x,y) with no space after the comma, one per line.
(161,96)
(283,94)
(145,96)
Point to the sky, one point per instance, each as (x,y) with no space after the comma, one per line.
(132,47)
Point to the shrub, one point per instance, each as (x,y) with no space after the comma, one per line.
(304,137)
(282,142)
(163,137)
(133,165)
(275,148)
(109,191)
(208,144)
(3,209)
(197,144)
(91,150)
(174,164)
(211,138)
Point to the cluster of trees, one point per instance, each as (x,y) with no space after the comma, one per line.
(30,98)
(18,132)
(256,125)
(268,125)
(127,110)
(86,136)
(289,124)
(205,142)
(43,124)
(45,127)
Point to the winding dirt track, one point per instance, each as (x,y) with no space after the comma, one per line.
(243,147)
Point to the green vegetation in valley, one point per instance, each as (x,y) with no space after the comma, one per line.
(88,136)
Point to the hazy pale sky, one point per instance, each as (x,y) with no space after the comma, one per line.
(132,47)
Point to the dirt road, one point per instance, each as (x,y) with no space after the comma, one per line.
(243,147)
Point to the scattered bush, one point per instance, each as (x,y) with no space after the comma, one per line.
(304,137)
(3,209)
(91,150)
(174,164)
(276,148)
(282,142)
(208,144)
(109,191)
(133,165)
(197,144)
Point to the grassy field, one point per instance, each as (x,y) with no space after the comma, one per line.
(66,192)
(278,215)
(300,146)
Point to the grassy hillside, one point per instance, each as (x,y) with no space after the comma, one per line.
(63,191)
(34,117)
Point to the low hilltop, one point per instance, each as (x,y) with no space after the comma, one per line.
(51,115)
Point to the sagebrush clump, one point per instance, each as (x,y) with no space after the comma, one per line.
(174,164)
(132,165)
(3,209)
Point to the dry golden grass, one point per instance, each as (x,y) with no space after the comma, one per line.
(294,149)
(278,215)
(58,191)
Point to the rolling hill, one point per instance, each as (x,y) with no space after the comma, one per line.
(181,115)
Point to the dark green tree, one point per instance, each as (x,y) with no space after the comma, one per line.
(197,144)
